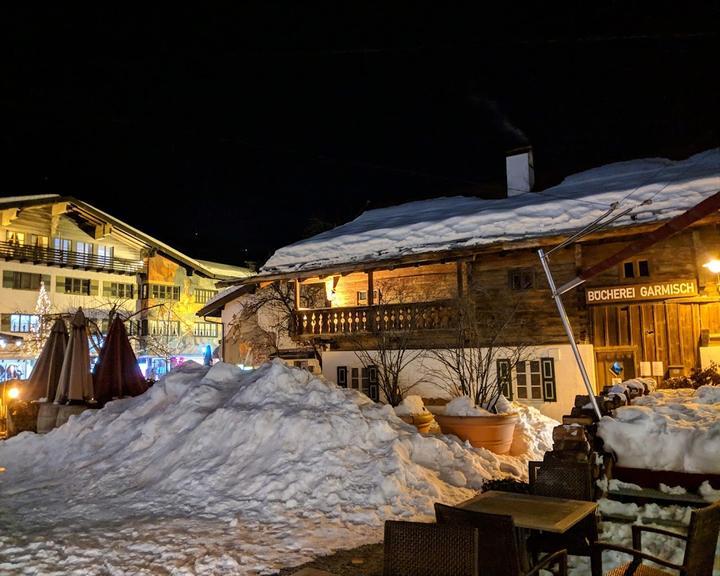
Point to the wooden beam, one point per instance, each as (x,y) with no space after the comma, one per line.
(8,215)
(370,288)
(297,294)
(459,277)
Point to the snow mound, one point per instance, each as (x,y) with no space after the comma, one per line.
(213,449)
(667,430)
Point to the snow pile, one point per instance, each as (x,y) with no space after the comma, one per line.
(463,222)
(533,432)
(410,405)
(667,430)
(223,470)
(464,406)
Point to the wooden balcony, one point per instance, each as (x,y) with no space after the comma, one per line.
(68,259)
(419,316)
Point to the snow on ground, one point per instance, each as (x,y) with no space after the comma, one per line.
(667,430)
(220,471)
(669,188)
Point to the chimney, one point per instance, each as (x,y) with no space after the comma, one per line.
(520,173)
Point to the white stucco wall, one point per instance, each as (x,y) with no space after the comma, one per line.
(568,381)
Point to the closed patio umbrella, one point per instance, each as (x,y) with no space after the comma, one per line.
(44,377)
(75,384)
(117,373)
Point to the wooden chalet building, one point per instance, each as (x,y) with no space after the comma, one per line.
(403,268)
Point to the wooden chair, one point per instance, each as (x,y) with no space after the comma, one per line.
(572,480)
(499,546)
(700,543)
(417,549)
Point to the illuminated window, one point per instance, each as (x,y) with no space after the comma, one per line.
(118,290)
(77,286)
(24,322)
(38,241)
(205,329)
(24,280)
(164,292)
(362,297)
(16,237)
(202,296)
(105,253)
(163,328)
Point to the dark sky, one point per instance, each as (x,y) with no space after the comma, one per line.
(231,133)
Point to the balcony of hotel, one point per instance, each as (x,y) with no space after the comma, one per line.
(68,259)
(333,322)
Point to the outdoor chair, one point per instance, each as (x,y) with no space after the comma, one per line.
(572,480)
(699,557)
(419,549)
(499,547)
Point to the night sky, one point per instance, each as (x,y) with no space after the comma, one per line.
(230,133)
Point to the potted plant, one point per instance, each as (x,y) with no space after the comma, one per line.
(485,330)
(412,410)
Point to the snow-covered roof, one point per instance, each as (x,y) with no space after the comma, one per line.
(440,224)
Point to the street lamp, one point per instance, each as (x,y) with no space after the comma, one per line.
(714,267)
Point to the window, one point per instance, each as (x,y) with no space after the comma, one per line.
(304,364)
(164,292)
(61,244)
(362,297)
(77,286)
(203,296)
(118,290)
(38,241)
(63,247)
(105,253)
(535,380)
(84,247)
(528,381)
(24,280)
(365,380)
(636,269)
(163,328)
(521,279)
(205,329)
(17,238)
(24,322)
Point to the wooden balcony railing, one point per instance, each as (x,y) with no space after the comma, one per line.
(369,319)
(68,259)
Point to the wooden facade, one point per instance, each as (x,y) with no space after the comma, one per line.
(668,305)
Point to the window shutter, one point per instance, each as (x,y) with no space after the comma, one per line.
(5,322)
(144,291)
(8,279)
(502,368)
(94,287)
(548,379)
(60,284)
(373,388)
(342,376)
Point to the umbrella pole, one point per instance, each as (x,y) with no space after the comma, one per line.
(568,330)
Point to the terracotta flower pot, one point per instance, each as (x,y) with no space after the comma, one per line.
(492,432)
(421,421)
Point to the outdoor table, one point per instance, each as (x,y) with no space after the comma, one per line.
(532,512)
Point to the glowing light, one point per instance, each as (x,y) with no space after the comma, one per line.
(713,266)
(13,393)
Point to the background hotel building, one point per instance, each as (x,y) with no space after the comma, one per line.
(85,257)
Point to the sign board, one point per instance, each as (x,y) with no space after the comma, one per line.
(653,291)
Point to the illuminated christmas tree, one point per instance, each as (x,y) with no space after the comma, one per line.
(40,329)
